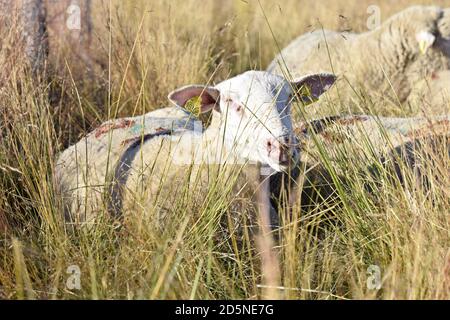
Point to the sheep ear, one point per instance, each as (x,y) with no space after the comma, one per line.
(309,88)
(196,99)
(425,40)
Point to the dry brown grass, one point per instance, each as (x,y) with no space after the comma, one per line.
(143,50)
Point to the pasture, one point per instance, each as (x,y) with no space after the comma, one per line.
(370,238)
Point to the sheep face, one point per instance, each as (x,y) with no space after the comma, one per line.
(253,113)
(431,26)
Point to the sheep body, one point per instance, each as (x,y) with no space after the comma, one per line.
(386,60)
(362,140)
(371,147)
(82,169)
(150,158)
(382,132)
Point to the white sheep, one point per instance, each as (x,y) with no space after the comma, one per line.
(381,133)
(365,143)
(385,62)
(124,163)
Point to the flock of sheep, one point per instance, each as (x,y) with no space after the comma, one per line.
(142,161)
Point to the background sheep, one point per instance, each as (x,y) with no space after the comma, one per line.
(407,147)
(407,47)
(133,158)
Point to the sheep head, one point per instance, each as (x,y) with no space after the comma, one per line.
(253,113)
(431,26)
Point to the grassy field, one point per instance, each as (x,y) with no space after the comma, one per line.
(142,50)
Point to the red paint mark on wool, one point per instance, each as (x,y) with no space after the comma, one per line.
(123,123)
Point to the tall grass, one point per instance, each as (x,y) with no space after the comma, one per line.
(206,249)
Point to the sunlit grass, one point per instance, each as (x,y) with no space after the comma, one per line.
(206,248)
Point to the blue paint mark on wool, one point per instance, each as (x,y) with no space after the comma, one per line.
(137,128)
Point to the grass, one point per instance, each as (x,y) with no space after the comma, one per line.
(143,51)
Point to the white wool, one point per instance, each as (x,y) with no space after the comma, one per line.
(369,146)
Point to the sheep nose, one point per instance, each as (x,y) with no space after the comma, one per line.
(278,149)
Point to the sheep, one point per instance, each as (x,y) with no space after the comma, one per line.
(386,62)
(368,143)
(133,158)
(382,133)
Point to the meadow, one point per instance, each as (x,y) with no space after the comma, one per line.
(390,245)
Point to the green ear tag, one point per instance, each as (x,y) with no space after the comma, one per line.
(193,105)
(305,95)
